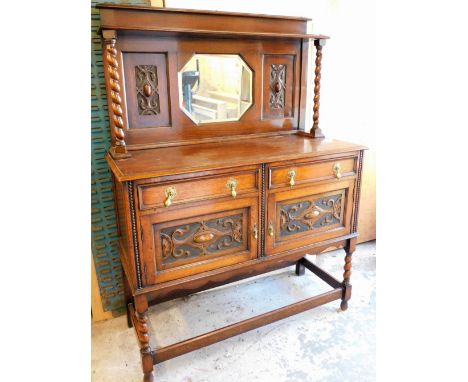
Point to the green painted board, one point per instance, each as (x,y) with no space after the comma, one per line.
(103,222)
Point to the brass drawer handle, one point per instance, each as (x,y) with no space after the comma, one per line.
(291,177)
(170,194)
(271,230)
(337,170)
(232,185)
(255,231)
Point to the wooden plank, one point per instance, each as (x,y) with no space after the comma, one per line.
(328,278)
(366,222)
(158,3)
(183,347)
(97,311)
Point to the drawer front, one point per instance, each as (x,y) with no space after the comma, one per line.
(306,172)
(199,238)
(154,195)
(300,217)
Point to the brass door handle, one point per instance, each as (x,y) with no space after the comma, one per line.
(232,185)
(291,177)
(255,231)
(337,170)
(170,195)
(271,230)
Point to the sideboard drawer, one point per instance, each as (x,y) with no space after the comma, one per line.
(307,172)
(179,243)
(303,216)
(155,195)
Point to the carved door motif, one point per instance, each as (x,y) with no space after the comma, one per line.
(310,214)
(202,238)
(178,242)
(303,216)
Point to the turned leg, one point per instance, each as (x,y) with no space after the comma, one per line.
(128,299)
(349,249)
(142,330)
(300,268)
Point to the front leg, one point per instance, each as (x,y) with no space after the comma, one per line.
(300,268)
(128,298)
(350,247)
(142,330)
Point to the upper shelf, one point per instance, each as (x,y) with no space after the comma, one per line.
(197,11)
(201,22)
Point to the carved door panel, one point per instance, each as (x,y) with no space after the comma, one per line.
(303,216)
(183,242)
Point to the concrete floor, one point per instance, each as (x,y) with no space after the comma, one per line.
(320,345)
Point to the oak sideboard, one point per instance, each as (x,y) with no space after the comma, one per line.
(217,174)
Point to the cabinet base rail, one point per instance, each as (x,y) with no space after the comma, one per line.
(168,352)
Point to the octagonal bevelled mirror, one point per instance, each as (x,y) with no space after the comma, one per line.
(215,88)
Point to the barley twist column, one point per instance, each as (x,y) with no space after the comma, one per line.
(350,247)
(315,131)
(114,88)
(142,331)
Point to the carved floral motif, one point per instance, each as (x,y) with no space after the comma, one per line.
(201,238)
(310,214)
(277,86)
(146,77)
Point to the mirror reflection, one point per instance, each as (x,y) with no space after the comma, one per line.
(215,87)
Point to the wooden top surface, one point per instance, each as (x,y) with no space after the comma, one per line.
(219,155)
(196,11)
(194,22)
(173,31)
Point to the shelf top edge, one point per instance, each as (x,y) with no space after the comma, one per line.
(170,31)
(196,11)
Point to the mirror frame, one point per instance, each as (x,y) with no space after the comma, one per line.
(180,88)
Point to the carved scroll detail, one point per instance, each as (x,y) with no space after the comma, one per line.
(201,238)
(309,215)
(277,86)
(116,101)
(146,79)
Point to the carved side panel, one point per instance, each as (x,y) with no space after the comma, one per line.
(146,78)
(278,86)
(146,90)
(206,236)
(311,214)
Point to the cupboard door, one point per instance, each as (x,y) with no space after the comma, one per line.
(300,217)
(181,243)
